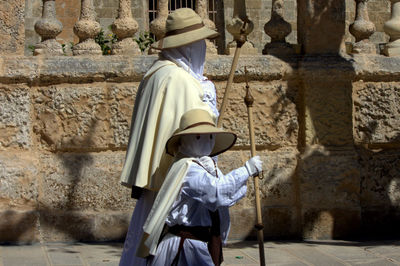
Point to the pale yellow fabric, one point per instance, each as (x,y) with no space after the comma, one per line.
(165,94)
(165,198)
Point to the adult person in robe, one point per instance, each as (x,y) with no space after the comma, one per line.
(173,85)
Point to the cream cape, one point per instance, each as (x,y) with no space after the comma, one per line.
(165,198)
(165,94)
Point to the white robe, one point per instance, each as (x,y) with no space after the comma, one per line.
(165,94)
(200,193)
(182,62)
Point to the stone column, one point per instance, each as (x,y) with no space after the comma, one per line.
(321,25)
(158,26)
(87,28)
(125,27)
(362,29)
(277,28)
(392,28)
(48,27)
(202,10)
(235,26)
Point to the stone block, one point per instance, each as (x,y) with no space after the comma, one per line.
(242,223)
(278,222)
(19,226)
(121,97)
(15,120)
(329,179)
(377,112)
(274,113)
(276,182)
(72,117)
(12,36)
(89,226)
(86,181)
(18,180)
(91,117)
(328,108)
(19,70)
(380,179)
(336,223)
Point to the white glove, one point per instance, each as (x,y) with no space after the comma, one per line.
(208,164)
(254,166)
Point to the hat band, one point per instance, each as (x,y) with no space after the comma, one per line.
(185,29)
(199,124)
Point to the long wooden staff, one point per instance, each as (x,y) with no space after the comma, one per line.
(239,43)
(249,100)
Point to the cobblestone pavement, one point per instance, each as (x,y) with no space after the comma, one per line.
(239,253)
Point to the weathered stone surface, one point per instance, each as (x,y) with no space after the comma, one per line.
(218,67)
(278,222)
(12,29)
(88,226)
(276,192)
(72,117)
(276,182)
(377,112)
(18,180)
(15,122)
(274,112)
(67,69)
(86,181)
(121,98)
(380,179)
(90,117)
(329,179)
(328,108)
(331,223)
(19,226)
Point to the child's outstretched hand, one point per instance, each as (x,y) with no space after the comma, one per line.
(254,166)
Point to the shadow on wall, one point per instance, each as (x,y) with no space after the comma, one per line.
(341,191)
(380,192)
(60,216)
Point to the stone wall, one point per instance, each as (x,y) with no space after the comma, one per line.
(259,12)
(327,129)
(329,141)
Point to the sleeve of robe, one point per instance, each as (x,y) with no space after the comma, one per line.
(165,94)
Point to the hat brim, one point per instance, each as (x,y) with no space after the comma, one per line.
(223,140)
(181,39)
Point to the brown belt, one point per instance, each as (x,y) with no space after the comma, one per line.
(205,234)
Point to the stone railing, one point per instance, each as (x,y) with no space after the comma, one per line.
(125,26)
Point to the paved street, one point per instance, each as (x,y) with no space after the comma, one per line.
(241,253)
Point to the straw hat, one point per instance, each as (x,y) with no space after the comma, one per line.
(199,121)
(184,26)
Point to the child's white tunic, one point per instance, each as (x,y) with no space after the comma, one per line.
(200,192)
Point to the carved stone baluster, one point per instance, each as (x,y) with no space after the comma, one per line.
(87,28)
(48,27)
(202,10)
(235,26)
(278,29)
(125,27)
(158,26)
(392,28)
(362,29)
